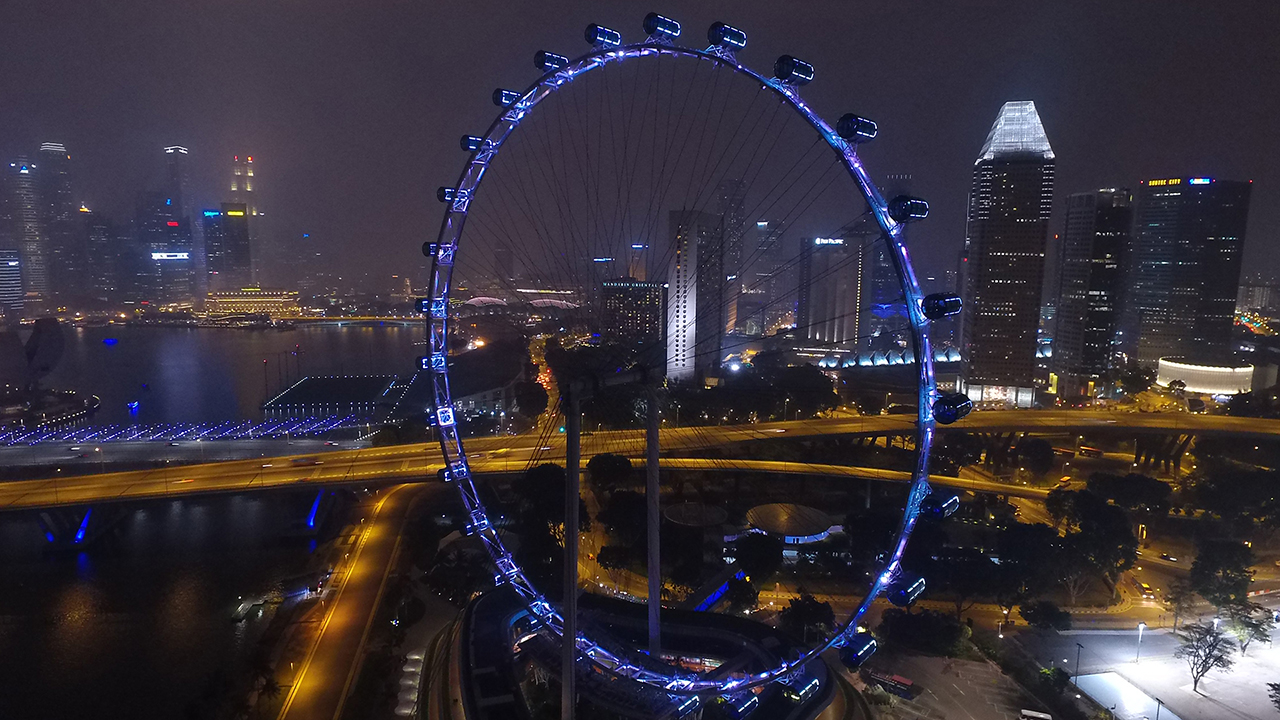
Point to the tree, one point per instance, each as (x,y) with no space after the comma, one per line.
(1058,505)
(759,556)
(626,517)
(1036,454)
(804,615)
(1220,572)
(1075,572)
(1273,692)
(1046,616)
(607,472)
(1055,680)
(531,399)
(965,581)
(1133,491)
(1135,378)
(1177,387)
(1249,621)
(1204,648)
(614,559)
(741,595)
(1178,599)
(1105,534)
(928,631)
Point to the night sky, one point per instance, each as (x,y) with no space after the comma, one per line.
(352,110)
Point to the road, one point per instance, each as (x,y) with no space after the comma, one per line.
(326,675)
(513,454)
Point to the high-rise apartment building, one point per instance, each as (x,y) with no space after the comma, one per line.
(1091,278)
(226,241)
(695,296)
(22,231)
(830,296)
(1184,268)
(1003,265)
(633,311)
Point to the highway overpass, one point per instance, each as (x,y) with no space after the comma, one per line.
(514,454)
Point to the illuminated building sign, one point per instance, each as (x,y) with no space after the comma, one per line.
(211,213)
(170,256)
(1200,181)
(602,259)
(828,241)
(173,223)
(235,212)
(1158,183)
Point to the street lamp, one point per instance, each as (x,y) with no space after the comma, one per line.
(1141,626)
(1159,704)
(1079,647)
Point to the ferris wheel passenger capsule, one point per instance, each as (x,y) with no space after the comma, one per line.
(727,36)
(951,407)
(602,36)
(937,508)
(905,208)
(655,24)
(471,143)
(503,97)
(446,194)
(793,70)
(549,61)
(856,129)
(906,590)
(940,305)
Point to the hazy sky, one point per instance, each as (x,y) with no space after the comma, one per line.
(352,110)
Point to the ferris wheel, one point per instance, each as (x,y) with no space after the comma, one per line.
(648,128)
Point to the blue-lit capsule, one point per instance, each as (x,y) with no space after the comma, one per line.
(793,70)
(940,508)
(655,24)
(856,129)
(727,35)
(446,194)
(429,249)
(951,407)
(906,209)
(602,36)
(861,646)
(471,143)
(906,590)
(549,61)
(940,305)
(503,97)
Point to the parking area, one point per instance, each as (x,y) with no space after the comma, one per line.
(955,689)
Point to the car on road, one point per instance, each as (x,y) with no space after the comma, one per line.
(1168,557)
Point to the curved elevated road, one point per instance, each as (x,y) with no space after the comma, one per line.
(513,454)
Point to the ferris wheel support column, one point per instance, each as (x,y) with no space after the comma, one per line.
(651,493)
(572,472)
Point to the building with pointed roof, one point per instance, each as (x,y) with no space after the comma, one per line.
(1003,262)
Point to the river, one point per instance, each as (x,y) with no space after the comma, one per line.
(214,374)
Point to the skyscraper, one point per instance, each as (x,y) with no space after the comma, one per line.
(11,292)
(1009,207)
(1091,280)
(23,232)
(695,296)
(830,290)
(633,310)
(244,190)
(178,179)
(167,264)
(1184,268)
(731,197)
(64,231)
(226,242)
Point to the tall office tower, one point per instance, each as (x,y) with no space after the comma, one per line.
(768,283)
(695,296)
(167,264)
(59,217)
(23,231)
(1184,268)
(504,265)
(226,242)
(177,180)
(633,311)
(244,191)
(1091,272)
(1009,207)
(104,246)
(731,196)
(11,292)
(638,262)
(830,290)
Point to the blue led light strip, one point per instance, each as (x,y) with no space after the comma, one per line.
(455,458)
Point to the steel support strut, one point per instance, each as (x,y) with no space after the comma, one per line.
(568,639)
(651,494)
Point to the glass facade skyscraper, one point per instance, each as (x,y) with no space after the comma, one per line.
(1003,265)
(1184,268)
(1091,281)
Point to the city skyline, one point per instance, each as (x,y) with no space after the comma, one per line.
(1109,133)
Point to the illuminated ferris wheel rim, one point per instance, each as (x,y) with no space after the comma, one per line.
(561,71)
